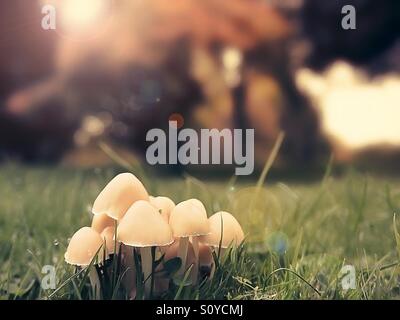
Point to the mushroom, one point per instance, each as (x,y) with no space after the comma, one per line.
(82,249)
(164,204)
(101,222)
(144,228)
(118,195)
(188,219)
(229,233)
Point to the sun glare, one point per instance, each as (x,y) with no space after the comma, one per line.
(354,109)
(78,15)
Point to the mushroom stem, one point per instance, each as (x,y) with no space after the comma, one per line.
(129,279)
(182,253)
(195,243)
(95,282)
(147,262)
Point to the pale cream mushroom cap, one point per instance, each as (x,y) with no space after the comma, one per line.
(118,195)
(165,204)
(108,236)
(101,222)
(82,248)
(232,232)
(143,226)
(188,219)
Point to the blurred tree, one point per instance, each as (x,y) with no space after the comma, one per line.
(149,61)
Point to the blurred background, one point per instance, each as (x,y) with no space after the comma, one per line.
(112,70)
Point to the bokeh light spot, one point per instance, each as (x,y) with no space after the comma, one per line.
(278,242)
(178,118)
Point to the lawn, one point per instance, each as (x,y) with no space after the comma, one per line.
(299,234)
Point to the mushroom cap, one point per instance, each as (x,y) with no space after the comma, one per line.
(232,232)
(108,236)
(118,195)
(143,226)
(82,248)
(101,222)
(165,204)
(189,218)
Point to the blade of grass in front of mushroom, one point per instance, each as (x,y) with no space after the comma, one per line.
(183,283)
(117,272)
(220,240)
(158,261)
(76,289)
(223,275)
(153,258)
(114,261)
(139,276)
(114,294)
(93,276)
(104,272)
(128,265)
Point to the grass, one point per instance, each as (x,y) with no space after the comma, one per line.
(299,235)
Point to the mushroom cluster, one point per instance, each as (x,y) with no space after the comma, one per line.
(152,241)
